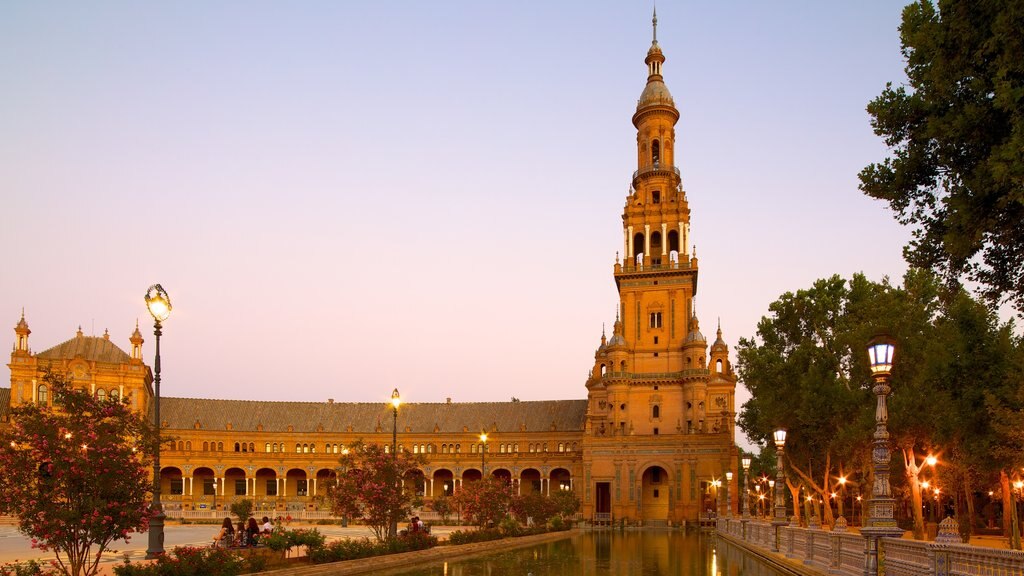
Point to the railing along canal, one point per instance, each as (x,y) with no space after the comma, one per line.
(837,551)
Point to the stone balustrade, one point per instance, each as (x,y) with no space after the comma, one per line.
(838,552)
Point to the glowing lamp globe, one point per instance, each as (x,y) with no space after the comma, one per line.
(881,353)
(780,437)
(158,302)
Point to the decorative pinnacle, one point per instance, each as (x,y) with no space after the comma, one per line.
(654,21)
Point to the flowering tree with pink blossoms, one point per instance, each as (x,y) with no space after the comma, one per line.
(369,485)
(75,474)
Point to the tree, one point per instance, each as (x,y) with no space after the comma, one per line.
(567,503)
(957,136)
(369,485)
(76,475)
(242,509)
(485,502)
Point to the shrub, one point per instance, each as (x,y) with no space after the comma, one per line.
(365,548)
(556,524)
(509,527)
(32,568)
(471,536)
(184,561)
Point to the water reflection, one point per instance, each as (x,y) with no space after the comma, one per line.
(606,553)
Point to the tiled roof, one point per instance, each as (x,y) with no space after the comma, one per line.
(5,403)
(91,348)
(535,416)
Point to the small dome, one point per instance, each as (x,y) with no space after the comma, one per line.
(617,340)
(656,92)
(719,343)
(695,336)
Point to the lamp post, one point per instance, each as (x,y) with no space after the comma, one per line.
(780,480)
(396,401)
(881,521)
(159,306)
(746,497)
(483,451)
(728,494)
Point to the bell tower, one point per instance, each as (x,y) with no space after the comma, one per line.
(657,279)
(659,426)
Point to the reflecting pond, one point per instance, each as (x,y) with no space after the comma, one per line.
(610,552)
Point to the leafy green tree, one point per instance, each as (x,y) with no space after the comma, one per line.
(369,486)
(567,503)
(242,509)
(956,133)
(76,475)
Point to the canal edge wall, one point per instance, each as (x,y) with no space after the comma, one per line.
(419,557)
(775,560)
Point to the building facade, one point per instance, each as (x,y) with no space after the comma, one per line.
(654,434)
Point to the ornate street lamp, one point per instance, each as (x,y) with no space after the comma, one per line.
(780,480)
(483,450)
(396,401)
(881,521)
(728,494)
(159,305)
(746,476)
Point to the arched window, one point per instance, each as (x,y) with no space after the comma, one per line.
(472,448)
(181,446)
(273,447)
(515,447)
(545,446)
(42,394)
(415,449)
(444,448)
(312,448)
(252,446)
(114,394)
(188,445)
(170,445)
(458,448)
(655,152)
(604,369)
(622,366)
(220,446)
(656,240)
(305,449)
(656,411)
(206,446)
(430,448)
(268,447)
(298,448)
(673,241)
(561,447)
(638,244)
(101,394)
(238,448)
(718,365)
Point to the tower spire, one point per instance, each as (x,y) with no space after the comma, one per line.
(654,21)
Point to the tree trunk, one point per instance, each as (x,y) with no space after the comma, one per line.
(794,490)
(969,500)
(913,471)
(1004,484)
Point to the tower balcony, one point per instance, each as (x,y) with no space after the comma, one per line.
(655,169)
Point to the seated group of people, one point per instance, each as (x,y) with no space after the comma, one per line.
(247,535)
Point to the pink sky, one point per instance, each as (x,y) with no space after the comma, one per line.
(345,198)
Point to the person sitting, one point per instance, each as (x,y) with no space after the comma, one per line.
(241,538)
(267,526)
(226,536)
(252,532)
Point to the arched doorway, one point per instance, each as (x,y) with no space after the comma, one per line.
(414,483)
(529,481)
(561,479)
(503,475)
(266,489)
(444,483)
(654,494)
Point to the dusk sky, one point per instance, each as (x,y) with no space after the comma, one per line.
(342,198)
